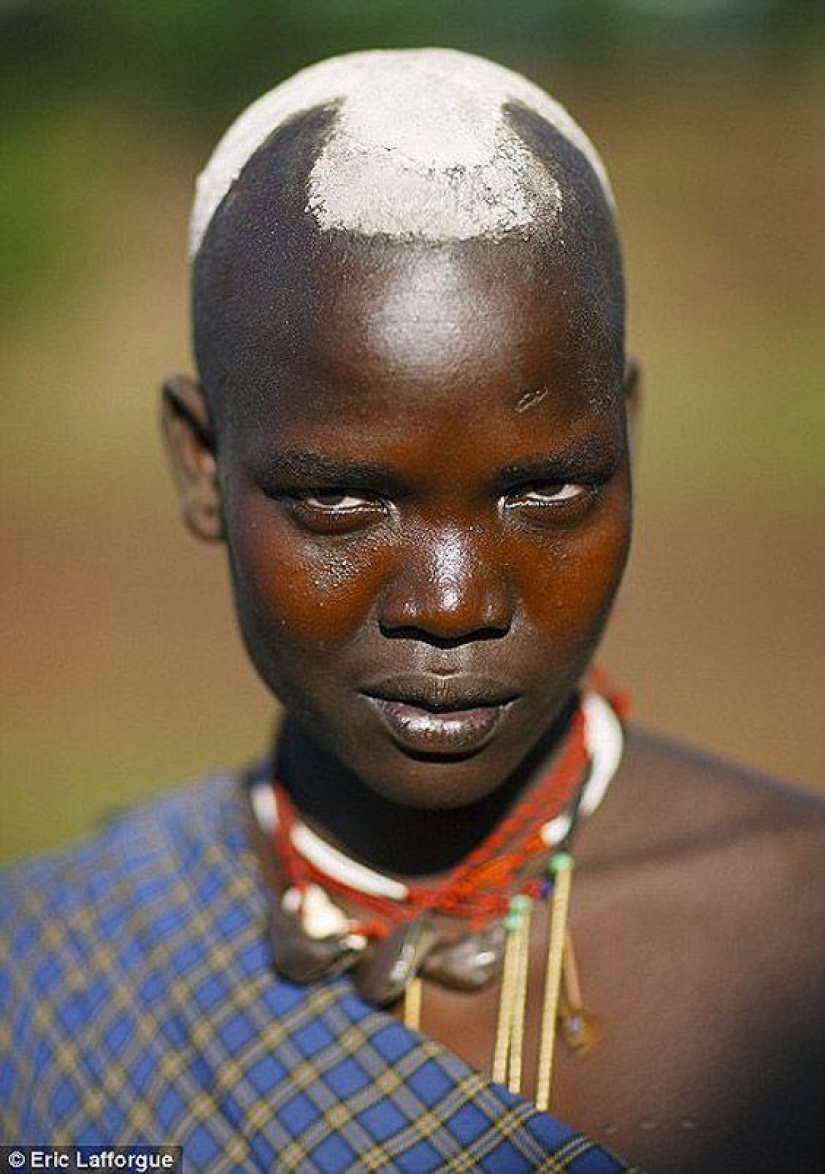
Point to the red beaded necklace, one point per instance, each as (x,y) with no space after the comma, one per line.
(478,889)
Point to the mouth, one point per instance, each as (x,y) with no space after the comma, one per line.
(440,716)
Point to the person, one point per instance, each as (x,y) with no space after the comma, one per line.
(411,432)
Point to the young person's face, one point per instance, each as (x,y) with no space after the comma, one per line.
(426,498)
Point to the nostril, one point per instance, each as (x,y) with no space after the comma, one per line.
(443,642)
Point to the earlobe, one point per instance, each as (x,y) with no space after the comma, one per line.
(190,444)
(631,381)
(632,384)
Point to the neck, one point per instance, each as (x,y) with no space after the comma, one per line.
(398,839)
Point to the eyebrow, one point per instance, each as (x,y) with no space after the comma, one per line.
(576,460)
(304,467)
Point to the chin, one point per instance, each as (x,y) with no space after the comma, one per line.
(436,784)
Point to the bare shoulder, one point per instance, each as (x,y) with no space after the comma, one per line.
(725,869)
(751,847)
(671,799)
(660,760)
(700,899)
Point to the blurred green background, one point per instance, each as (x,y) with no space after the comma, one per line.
(121,669)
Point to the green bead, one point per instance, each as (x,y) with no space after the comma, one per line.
(519,905)
(560,862)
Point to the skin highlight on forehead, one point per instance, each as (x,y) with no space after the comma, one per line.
(422,148)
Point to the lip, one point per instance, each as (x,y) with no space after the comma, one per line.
(440,716)
(442,694)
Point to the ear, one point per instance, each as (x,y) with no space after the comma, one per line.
(632,387)
(190,444)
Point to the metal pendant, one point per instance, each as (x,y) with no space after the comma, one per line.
(469,963)
(391,963)
(579,1029)
(302,958)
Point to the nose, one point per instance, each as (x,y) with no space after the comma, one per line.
(448,589)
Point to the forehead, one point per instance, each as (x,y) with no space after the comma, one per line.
(442,315)
(409,355)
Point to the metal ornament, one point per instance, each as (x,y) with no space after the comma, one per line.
(469,963)
(309,937)
(390,964)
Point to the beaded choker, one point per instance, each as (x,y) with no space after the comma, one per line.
(396,942)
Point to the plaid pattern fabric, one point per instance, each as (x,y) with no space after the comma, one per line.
(138,1005)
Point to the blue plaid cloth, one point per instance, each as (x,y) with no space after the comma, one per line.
(138,1005)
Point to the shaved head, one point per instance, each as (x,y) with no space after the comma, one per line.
(360,159)
(421,147)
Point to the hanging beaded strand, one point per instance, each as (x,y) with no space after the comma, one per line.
(412,1004)
(522,934)
(509,1041)
(506,1000)
(561,872)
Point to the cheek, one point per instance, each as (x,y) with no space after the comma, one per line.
(309,594)
(567,587)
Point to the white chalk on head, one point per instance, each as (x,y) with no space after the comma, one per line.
(420,149)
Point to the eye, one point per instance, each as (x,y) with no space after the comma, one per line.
(549,494)
(335,511)
(333,502)
(551,501)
